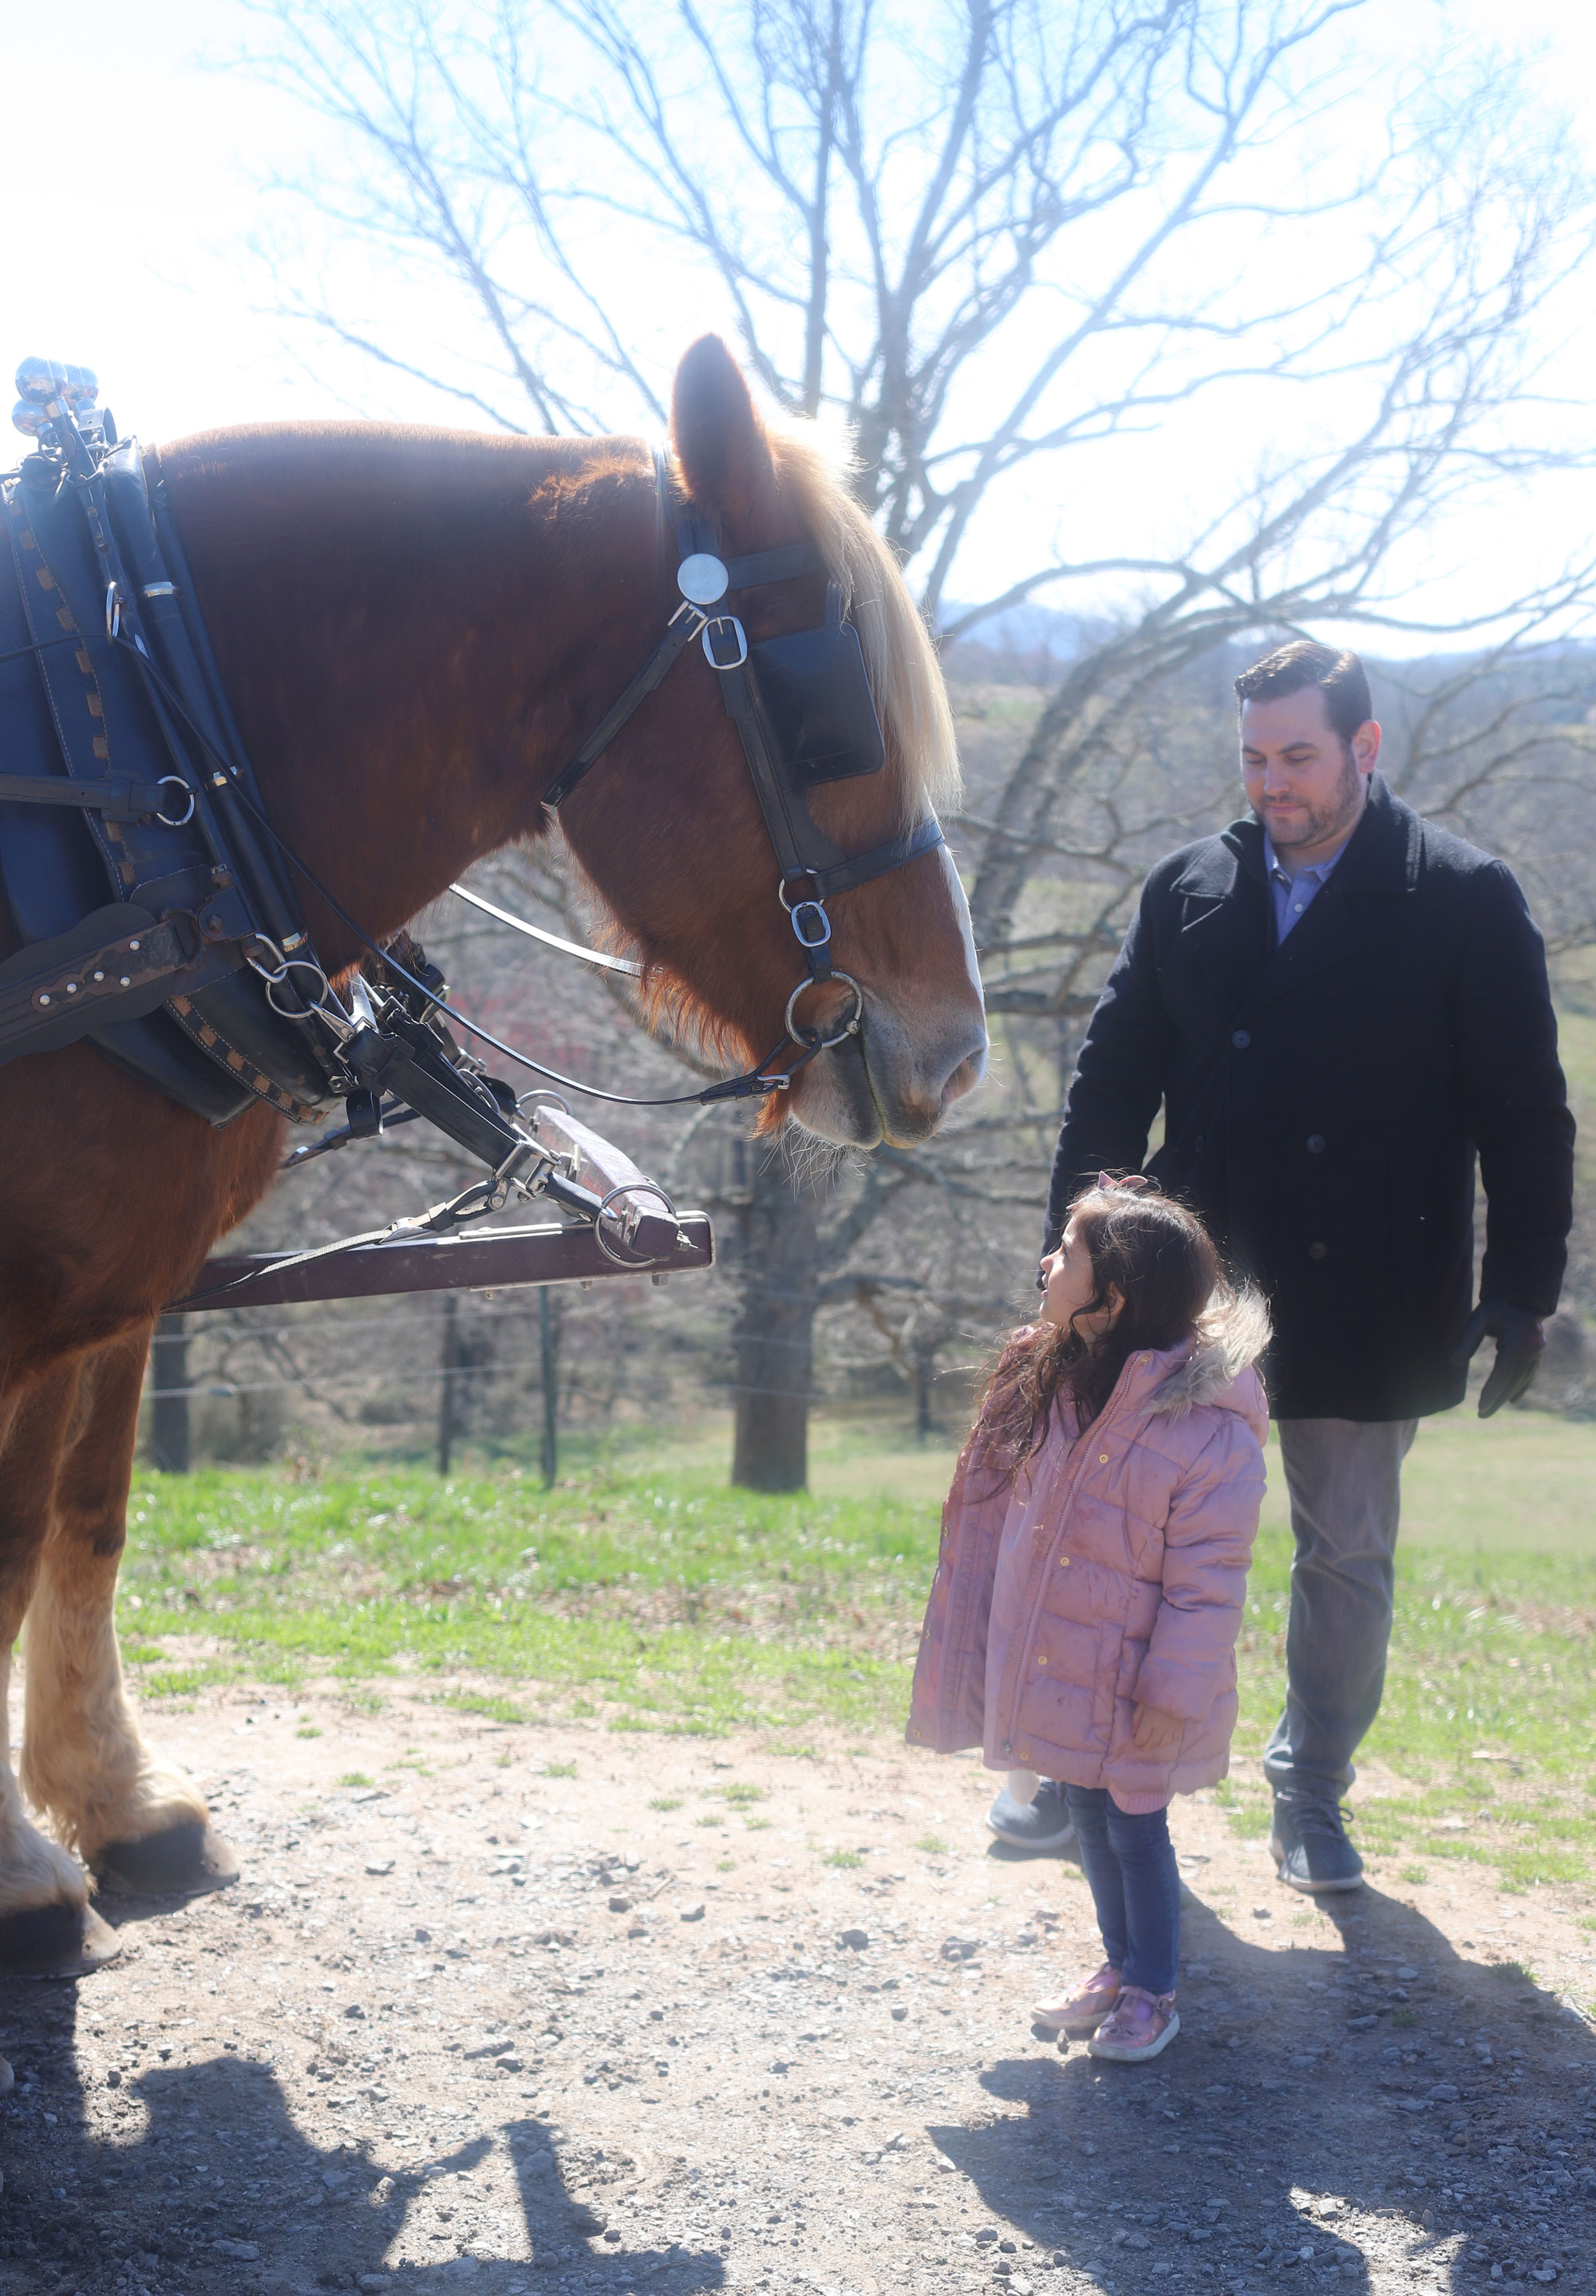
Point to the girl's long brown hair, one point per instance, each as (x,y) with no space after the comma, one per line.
(1159,1256)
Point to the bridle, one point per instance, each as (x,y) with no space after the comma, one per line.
(805,713)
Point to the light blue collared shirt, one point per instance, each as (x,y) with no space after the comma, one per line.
(1293,895)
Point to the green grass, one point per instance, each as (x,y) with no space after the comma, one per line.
(1490,1698)
(665,1602)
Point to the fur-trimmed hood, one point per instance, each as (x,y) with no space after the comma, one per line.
(1232,1335)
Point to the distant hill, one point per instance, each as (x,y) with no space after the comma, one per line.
(1028,643)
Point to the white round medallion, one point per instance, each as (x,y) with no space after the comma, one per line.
(701,578)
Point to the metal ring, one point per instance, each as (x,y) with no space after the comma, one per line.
(850,1028)
(176,781)
(113,610)
(314,1003)
(793,877)
(628,1188)
(721,622)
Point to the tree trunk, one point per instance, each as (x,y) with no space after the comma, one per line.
(781,1231)
(168,1364)
(548,1340)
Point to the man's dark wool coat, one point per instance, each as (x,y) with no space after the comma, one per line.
(1324,1099)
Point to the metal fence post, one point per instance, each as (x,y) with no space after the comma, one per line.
(551,1387)
(169,1435)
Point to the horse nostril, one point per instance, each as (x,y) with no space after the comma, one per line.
(965,1078)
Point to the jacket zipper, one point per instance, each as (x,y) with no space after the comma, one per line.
(1031,1609)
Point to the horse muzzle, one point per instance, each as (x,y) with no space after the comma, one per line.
(895,1078)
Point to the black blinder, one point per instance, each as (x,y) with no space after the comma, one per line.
(815,699)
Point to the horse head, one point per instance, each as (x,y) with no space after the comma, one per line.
(669,828)
(419,630)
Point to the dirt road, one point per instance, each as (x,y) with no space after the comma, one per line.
(533,2010)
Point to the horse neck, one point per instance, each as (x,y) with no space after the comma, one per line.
(415,630)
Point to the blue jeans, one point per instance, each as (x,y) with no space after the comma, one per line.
(1345,1480)
(1135,1884)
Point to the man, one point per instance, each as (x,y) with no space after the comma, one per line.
(1338,1006)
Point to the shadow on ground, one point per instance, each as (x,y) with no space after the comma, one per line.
(1362,2106)
(137,2213)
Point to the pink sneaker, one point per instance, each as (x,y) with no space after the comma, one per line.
(1142,2026)
(1084,2010)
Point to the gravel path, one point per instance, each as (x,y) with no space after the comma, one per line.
(702,2016)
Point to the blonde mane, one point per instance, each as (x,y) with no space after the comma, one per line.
(906,677)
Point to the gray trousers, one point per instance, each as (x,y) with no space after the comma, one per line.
(1344,1477)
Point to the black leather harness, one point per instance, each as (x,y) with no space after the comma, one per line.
(124,775)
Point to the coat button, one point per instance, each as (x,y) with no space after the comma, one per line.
(1240,1039)
(1041,1658)
(1318,1250)
(1103,1458)
(1315,1144)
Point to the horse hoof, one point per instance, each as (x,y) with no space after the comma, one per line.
(181,1861)
(55,1941)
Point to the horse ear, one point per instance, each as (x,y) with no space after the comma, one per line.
(719,439)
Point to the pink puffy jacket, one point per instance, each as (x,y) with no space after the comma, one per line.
(1121,1582)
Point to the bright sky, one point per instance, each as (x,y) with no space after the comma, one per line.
(128,243)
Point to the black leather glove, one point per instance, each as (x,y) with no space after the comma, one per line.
(1521,1342)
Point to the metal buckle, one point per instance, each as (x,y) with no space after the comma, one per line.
(850,1027)
(113,611)
(724,622)
(802,913)
(176,781)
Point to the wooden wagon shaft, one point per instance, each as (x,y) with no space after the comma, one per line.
(485,1262)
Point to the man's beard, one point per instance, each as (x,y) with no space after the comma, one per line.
(1323,822)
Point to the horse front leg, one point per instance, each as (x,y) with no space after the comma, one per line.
(136,1818)
(46,1922)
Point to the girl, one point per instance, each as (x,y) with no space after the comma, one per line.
(1094,1550)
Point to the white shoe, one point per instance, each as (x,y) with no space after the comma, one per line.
(1042,1823)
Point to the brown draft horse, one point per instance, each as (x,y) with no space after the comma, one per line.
(417,629)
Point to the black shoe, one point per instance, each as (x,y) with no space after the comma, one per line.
(1041,1823)
(1309,1846)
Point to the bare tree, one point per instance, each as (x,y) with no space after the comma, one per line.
(999,240)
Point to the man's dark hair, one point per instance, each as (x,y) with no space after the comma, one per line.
(1340,677)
